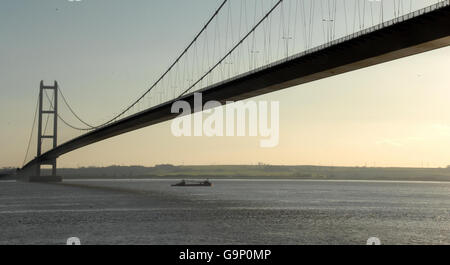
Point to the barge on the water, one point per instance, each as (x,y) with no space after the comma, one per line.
(185,183)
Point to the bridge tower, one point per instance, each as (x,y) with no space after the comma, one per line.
(53,136)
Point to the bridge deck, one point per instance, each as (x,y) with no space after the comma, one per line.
(390,41)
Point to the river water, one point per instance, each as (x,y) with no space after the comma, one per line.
(230,212)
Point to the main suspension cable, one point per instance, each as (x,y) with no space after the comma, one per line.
(165,73)
(73,112)
(237,45)
(64,121)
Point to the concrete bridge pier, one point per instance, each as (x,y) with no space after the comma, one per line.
(34,174)
(39,177)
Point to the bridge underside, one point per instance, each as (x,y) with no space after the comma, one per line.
(420,34)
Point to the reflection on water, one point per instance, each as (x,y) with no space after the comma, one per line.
(305,212)
(229,212)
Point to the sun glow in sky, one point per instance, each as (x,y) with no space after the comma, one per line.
(105,53)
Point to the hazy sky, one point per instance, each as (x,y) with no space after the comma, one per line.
(105,53)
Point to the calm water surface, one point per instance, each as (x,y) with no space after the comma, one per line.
(230,212)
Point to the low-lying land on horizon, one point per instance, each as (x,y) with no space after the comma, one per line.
(259,172)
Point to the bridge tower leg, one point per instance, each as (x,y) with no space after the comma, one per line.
(54,112)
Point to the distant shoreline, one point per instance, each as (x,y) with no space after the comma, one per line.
(254,178)
(168,171)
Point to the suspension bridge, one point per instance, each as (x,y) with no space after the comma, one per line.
(249,48)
